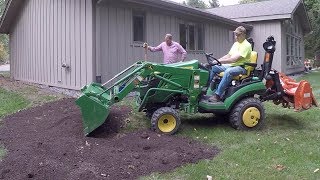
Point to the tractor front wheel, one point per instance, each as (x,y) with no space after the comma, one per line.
(165,120)
(248,114)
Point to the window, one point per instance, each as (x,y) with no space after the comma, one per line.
(138,26)
(293,38)
(183,35)
(200,38)
(192,37)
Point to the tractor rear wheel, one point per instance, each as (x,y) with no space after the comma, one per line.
(165,120)
(248,114)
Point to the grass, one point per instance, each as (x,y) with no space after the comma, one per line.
(287,148)
(11,102)
(3,152)
(136,120)
(34,95)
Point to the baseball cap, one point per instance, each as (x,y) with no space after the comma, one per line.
(240,30)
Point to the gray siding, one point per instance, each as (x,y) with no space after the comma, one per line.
(49,33)
(260,32)
(218,39)
(115,47)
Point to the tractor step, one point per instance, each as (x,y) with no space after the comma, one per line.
(205,99)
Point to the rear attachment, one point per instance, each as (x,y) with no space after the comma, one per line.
(297,94)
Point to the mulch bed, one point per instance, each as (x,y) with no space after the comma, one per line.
(47,142)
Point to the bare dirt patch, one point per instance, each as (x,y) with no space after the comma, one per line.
(47,142)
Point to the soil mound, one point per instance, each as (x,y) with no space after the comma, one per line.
(47,142)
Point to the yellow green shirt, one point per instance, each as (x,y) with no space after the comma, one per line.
(244,49)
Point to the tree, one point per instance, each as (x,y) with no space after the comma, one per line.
(4,39)
(2,6)
(214,3)
(312,40)
(250,1)
(197,4)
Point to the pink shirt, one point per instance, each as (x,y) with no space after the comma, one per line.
(170,53)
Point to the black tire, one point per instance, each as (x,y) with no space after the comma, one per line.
(251,107)
(160,122)
(220,117)
(149,113)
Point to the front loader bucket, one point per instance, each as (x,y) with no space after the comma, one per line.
(300,94)
(94,111)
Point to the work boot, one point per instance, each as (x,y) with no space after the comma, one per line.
(214,98)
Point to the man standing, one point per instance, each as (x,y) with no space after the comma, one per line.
(231,63)
(171,50)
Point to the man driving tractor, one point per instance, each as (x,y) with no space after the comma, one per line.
(232,62)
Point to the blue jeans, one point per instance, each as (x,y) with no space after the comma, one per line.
(229,73)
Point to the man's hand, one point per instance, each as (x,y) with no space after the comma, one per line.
(145,45)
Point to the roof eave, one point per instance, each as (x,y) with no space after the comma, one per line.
(3,29)
(263,18)
(190,11)
(11,10)
(12,7)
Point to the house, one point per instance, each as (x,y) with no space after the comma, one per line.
(70,43)
(286,20)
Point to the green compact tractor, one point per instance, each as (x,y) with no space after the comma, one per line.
(162,91)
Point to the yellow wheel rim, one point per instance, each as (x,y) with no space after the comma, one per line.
(251,117)
(167,123)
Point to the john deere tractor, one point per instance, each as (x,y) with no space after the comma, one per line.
(162,91)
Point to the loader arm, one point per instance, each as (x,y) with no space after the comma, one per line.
(97,99)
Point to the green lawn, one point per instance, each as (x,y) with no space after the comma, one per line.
(287,148)
(11,102)
(14,100)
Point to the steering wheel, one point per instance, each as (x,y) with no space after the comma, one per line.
(212,60)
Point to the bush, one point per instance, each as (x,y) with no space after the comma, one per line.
(3,54)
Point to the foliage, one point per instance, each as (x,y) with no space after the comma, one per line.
(312,40)
(2,6)
(196,4)
(214,3)
(4,39)
(201,4)
(3,53)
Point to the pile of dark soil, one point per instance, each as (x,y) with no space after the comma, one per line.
(47,142)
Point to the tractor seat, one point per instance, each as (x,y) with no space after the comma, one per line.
(249,67)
